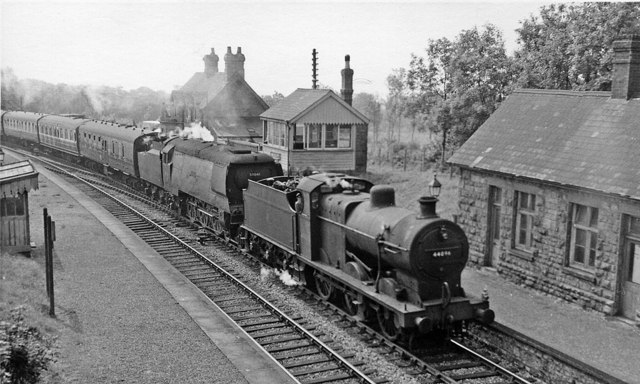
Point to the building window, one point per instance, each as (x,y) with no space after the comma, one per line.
(276,134)
(331,136)
(584,236)
(298,136)
(632,249)
(344,140)
(314,136)
(525,212)
(11,206)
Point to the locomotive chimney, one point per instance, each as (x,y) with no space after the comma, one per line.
(382,196)
(211,63)
(347,81)
(234,64)
(427,207)
(625,82)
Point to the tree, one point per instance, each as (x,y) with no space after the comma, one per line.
(459,83)
(395,104)
(569,46)
(371,107)
(274,99)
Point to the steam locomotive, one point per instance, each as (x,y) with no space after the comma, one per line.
(339,234)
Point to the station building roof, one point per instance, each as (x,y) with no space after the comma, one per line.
(581,139)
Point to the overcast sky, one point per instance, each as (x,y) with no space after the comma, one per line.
(160,44)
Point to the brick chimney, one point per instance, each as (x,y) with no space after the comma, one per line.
(625,82)
(347,81)
(211,63)
(234,64)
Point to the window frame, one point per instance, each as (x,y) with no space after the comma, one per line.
(590,243)
(528,213)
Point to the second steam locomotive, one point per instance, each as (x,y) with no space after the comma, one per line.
(339,234)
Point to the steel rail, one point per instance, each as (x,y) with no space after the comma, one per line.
(359,375)
(494,365)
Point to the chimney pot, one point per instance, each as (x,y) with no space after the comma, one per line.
(625,81)
(234,64)
(211,63)
(347,81)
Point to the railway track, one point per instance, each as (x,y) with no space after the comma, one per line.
(308,355)
(452,362)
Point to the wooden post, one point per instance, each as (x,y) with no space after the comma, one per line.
(46,251)
(49,236)
(405,160)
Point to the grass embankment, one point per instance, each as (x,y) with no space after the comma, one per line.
(410,185)
(26,330)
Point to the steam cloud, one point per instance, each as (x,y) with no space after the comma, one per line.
(197,131)
(284,276)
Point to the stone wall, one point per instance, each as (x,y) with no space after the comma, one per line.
(545,266)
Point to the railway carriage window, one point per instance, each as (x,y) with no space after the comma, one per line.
(525,213)
(122,149)
(331,136)
(584,235)
(344,140)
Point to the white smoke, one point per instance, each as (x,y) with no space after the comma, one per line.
(197,131)
(284,276)
(96,97)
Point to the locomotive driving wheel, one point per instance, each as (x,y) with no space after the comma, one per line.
(323,287)
(388,322)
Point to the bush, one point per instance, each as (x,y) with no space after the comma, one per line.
(24,351)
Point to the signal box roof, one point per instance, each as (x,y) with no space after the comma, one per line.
(314,106)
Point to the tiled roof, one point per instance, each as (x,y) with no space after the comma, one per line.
(302,101)
(199,82)
(297,102)
(581,139)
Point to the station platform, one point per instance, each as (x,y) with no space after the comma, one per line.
(128,316)
(609,344)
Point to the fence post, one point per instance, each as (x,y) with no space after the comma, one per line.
(46,251)
(49,237)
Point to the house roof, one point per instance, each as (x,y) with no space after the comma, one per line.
(200,82)
(581,139)
(302,103)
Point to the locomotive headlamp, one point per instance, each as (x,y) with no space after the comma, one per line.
(435,186)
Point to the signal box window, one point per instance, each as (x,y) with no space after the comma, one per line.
(584,236)
(344,141)
(314,136)
(331,139)
(525,212)
(298,136)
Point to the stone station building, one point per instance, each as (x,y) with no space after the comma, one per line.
(550,190)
